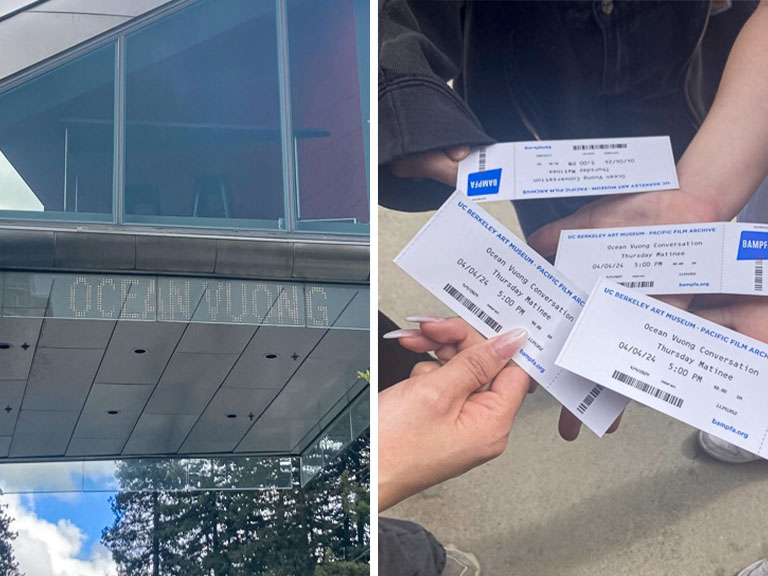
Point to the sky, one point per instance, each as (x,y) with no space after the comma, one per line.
(60,534)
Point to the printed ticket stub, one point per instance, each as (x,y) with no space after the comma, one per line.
(493,280)
(709,258)
(680,364)
(560,168)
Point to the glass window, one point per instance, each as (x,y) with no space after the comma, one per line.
(329,46)
(57,143)
(203,137)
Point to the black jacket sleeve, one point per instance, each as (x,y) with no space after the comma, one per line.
(420,50)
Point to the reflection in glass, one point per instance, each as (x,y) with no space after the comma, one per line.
(57,142)
(203,139)
(350,423)
(146,475)
(328,57)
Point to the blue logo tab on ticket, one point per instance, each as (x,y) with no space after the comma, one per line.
(484,183)
(753,245)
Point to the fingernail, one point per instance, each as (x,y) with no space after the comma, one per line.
(424,319)
(508,344)
(458,153)
(401,333)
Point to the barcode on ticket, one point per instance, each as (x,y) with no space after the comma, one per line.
(758,275)
(472,307)
(587,402)
(481,160)
(639,284)
(598,146)
(647,388)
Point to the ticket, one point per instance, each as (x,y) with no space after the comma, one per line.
(493,280)
(561,168)
(708,258)
(745,248)
(689,368)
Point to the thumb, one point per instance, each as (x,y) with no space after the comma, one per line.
(474,367)
(546,238)
(721,315)
(457,153)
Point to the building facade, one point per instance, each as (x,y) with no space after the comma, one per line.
(184,238)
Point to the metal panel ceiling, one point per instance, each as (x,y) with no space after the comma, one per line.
(316,387)
(42,433)
(226,419)
(257,368)
(216,338)
(114,388)
(190,382)
(159,434)
(11,393)
(112,410)
(75,334)
(21,334)
(60,379)
(122,364)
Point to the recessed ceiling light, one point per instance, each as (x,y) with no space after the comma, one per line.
(140,351)
(5,346)
(113,412)
(271,356)
(230,416)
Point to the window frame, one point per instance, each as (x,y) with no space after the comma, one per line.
(118,36)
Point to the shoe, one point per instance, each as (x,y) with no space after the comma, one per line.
(725,451)
(759,568)
(458,563)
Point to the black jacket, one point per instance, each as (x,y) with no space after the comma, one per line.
(542,70)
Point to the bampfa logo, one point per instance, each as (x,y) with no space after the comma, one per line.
(753,245)
(484,183)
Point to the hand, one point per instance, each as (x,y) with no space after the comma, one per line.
(745,314)
(436,425)
(444,337)
(650,208)
(439,165)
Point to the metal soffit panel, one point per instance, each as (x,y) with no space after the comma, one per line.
(9,6)
(79,387)
(316,387)
(41,30)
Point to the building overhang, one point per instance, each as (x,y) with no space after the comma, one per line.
(109,366)
(174,252)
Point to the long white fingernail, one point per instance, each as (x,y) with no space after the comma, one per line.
(424,319)
(508,344)
(401,333)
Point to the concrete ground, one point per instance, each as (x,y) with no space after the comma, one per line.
(643,501)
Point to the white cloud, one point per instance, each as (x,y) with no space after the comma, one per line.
(41,477)
(43,548)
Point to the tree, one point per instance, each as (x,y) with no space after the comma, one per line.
(8,564)
(296,531)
